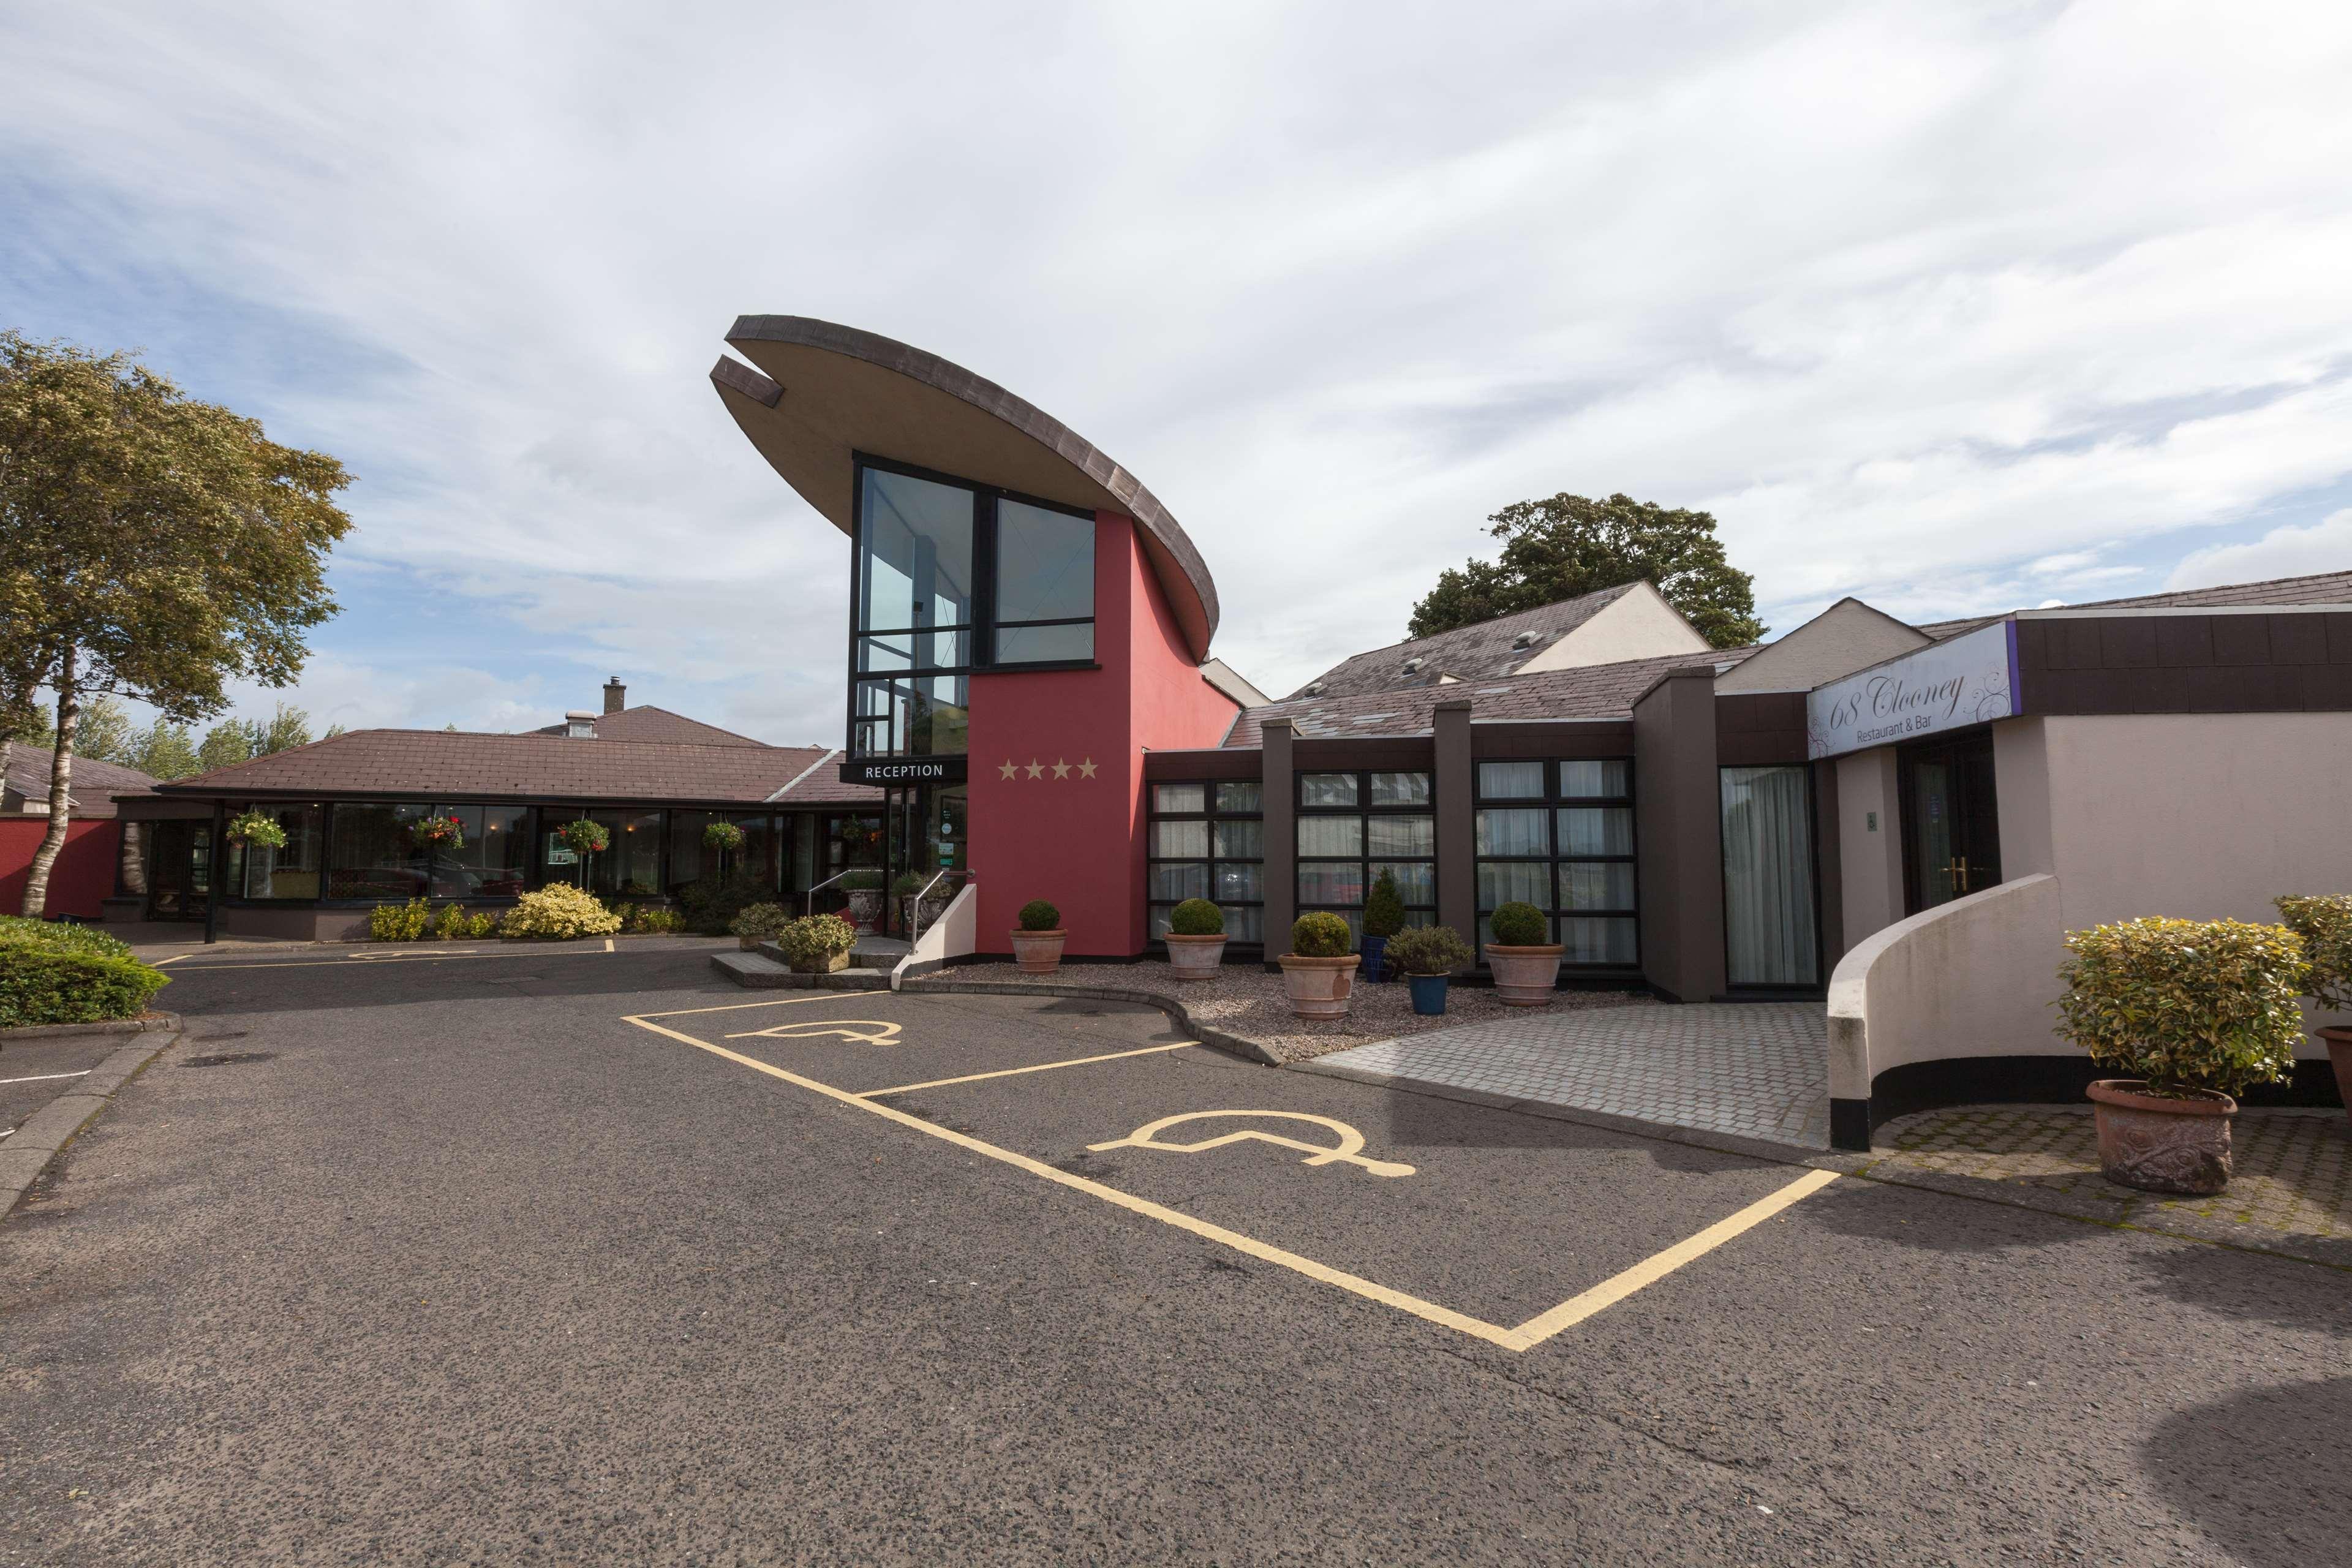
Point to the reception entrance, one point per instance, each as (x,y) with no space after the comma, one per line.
(1951,822)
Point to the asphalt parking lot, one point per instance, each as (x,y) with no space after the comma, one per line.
(562,1255)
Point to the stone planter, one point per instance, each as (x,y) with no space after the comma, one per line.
(1525,976)
(1038,951)
(1194,957)
(1319,987)
(864,909)
(833,963)
(2159,1144)
(920,919)
(2339,1054)
(749,943)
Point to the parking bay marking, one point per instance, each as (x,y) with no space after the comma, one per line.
(858,1031)
(1349,1147)
(1525,1336)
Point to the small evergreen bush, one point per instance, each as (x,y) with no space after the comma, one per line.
(481,923)
(710,903)
(863,880)
(400,923)
(761,922)
(1197,917)
(2185,1004)
(1039,915)
(560,911)
(51,973)
(453,924)
(1383,909)
(1429,950)
(906,886)
(1519,925)
(656,919)
(1321,934)
(811,944)
(2324,923)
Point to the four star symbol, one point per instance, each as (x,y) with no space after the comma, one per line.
(1086,768)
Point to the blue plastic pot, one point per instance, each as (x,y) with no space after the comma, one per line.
(1428,993)
(1375,950)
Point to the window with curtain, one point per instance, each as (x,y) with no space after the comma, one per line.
(1208,841)
(292,870)
(1354,826)
(1767,876)
(1560,836)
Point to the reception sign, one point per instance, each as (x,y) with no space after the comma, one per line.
(1948,685)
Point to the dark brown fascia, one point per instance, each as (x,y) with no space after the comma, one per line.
(734,374)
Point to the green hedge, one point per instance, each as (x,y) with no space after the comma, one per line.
(51,973)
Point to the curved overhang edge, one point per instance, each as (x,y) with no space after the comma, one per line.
(1176,563)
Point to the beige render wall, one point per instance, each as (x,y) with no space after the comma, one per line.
(1847,636)
(1870,859)
(1639,624)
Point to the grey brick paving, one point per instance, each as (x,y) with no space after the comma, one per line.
(1757,1070)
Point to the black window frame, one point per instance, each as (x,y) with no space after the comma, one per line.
(1551,802)
(1211,814)
(1364,859)
(979,646)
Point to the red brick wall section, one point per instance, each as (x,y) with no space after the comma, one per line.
(1067,822)
(84,872)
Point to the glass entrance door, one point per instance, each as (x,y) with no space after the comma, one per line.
(179,870)
(1951,821)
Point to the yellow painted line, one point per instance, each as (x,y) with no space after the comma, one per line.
(162,961)
(1649,1270)
(1015,1072)
(1532,1333)
(865,996)
(608,944)
(379,960)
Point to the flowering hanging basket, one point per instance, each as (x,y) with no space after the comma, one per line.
(257,828)
(437,833)
(583,837)
(722,836)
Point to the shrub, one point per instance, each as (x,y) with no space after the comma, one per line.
(765,921)
(452,924)
(906,886)
(2326,926)
(2185,1004)
(1039,915)
(724,836)
(400,923)
(811,944)
(255,827)
(860,881)
(51,973)
(1197,917)
(712,903)
(1321,934)
(656,919)
(1383,909)
(1519,925)
(561,912)
(1429,950)
(481,923)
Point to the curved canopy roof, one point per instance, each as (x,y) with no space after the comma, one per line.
(822,392)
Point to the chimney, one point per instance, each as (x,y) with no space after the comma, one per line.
(616,696)
(579,726)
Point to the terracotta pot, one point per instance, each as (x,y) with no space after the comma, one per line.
(1195,957)
(1319,987)
(1038,951)
(2339,1054)
(1524,976)
(2160,1145)
(865,910)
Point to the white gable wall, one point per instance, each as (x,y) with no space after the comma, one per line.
(1639,624)
(1847,636)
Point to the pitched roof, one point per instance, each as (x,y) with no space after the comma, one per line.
(1585,691)
(1481,652)
(657,726)
(2320,588)
(24,771)
(454,763)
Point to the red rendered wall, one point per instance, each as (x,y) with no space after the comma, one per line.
(84,872)
(1067,836)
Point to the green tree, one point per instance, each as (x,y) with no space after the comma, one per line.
(289,727)
(105,733)
(227,744)
(1569,545)
(167,750)
(152,546)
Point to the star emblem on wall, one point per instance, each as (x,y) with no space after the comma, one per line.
(1036,769)
(1008,770)
(1086,769)
(1061,769)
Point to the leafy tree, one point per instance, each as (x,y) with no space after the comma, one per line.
(167,750)
(152,546)
(289,727)
(28,723)
(1569,545)
(227,744)
(105,733)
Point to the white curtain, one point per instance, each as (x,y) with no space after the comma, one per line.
(1768,877)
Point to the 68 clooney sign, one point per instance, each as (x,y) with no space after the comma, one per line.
(1947,686)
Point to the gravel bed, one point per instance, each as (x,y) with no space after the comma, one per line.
(1245,1000)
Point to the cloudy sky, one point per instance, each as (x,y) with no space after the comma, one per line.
(1954,306)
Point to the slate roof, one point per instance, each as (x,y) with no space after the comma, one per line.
(2320,588)
(373,763)
(25,771)
(1588,691)
(1482,652)
(657,726)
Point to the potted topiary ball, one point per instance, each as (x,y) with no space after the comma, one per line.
(1427,957)
(1037,943)
(1318,971)
(2193,1011)
(1526,965)
(1196,939)
(817,944)
(1383,918)
(863,889)
(2326,926)
(757,923)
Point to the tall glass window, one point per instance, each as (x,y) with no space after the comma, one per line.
(290,872)
(1354,826)
(1768,877)
(495,861)
(1208,841)
(370,855)
(1044,584)
(1560,836)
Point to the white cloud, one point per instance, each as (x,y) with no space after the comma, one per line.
(1951,306)
(2325,546)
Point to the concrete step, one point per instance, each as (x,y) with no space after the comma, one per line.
(765,970)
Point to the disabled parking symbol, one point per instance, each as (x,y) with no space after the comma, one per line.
(1348,1148)
(863,1031)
